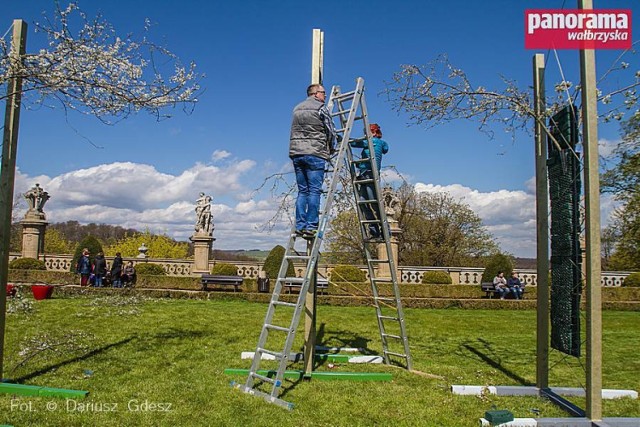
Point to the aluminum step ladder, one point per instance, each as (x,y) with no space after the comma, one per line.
(282,318)
(374,228)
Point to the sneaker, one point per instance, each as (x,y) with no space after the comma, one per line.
(501,297)
(300,233)
(309,234)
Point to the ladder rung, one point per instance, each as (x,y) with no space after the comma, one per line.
(382,279)
(363,181)
(398,337)
(362,138)
(391,353)
(272,353)
(266,379)
(277,328)
(388,318)
(337,113)
(364,202)
(297,257)
(284,303)
(370,221)
(378,261)
(384,299)
(295,280)
(366,159)
(344,95)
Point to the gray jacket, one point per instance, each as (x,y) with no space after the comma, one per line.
(312,130)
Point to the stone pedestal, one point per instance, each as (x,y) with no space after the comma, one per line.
(33,229)
(202,244)
(383,268)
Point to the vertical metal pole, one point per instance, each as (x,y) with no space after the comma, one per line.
(592,228)
(7,173)
(542,226)
(310,300)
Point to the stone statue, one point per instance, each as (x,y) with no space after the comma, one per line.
(204,223)
(391,202)
(36,197)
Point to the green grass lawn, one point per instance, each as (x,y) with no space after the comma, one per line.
(161,362)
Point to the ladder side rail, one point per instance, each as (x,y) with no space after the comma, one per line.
(363,227)
(264,333)
(317,243)
(386,232)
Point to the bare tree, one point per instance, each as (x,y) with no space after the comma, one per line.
(96,72)
(439,92)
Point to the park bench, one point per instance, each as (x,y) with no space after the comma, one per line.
(322,285)
(212,279)
(490,290)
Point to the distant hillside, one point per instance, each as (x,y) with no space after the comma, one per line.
(240,255)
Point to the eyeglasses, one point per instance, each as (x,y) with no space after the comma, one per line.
(321,91)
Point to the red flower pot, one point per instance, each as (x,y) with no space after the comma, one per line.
(11,290)
(41,292)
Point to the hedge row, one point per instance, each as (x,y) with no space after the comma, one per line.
(344,301)
(354,290)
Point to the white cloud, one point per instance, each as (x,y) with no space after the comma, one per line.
(219,155)
(138,196)
(606,147)
(509,215)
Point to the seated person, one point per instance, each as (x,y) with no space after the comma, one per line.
(500,285)
(516,287)
(129,274)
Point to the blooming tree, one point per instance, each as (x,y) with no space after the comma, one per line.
(96,72)
(439,92)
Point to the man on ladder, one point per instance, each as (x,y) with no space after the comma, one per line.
(310,147)
(278,332)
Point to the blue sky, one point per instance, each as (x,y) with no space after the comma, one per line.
(256,58)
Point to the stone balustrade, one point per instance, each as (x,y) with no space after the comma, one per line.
(250,269)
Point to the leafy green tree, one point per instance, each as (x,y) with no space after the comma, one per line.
(436,229)
(440,231)
(273,261)
(344,240)
(496,263)
(623,181)
(55,243)
(92,244)
(160,246)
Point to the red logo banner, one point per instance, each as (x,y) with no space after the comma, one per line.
(577,29)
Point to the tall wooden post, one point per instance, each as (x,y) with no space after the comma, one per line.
(7,173)
(310,300)
(592,228)
(542,226)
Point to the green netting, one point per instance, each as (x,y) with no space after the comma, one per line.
(564,192)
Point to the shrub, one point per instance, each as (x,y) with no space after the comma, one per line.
(347,273)
(89,242)
(273,261)
(496,263)
(632,280)
(436,278)
(27,264)
(225,269)
(150,269)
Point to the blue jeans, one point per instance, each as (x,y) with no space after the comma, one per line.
(370,210)
(503,292)
(517,291)
(98,281)
(309,177)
